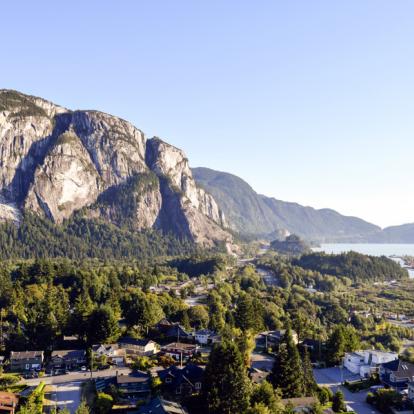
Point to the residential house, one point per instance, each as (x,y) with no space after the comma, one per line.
(180,351)
(273,338)
(67,359)
(138,347)
(8,402)
(365,363)
(114,354)
(177,332)
(26,361)
(160,406)
(163,325)
(182,382)
(397,374)
(302,404)
(205,337)
(172,330)
(411,391)
(136,385)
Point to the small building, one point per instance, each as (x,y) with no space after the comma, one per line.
(397,374)
(139,347)
(180,351)
(136,385)
(114,354)
(67,359)
(206,336)
(160,406)
(182,382)
(365,363)
(8,402)
(26,361)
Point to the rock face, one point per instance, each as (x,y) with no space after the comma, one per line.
(55,162)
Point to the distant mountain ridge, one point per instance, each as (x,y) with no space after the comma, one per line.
(250,213)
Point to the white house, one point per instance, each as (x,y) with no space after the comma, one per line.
(114,354)
(367,362)
(141,347)
(205,336)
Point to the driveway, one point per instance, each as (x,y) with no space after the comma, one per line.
(331,377)
(260,361)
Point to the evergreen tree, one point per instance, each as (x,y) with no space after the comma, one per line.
(226,385)
(265,394)
(338,402)
(309,384)
(287,373)
(83,408)
(245,316)
(342,339)
(103,326)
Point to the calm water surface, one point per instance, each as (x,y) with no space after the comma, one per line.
(370,249)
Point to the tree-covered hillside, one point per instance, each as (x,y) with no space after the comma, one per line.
(79,238)
(356,266)
(250,213)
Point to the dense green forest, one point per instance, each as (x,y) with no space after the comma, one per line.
(42,300)
(79,238)
(356,266)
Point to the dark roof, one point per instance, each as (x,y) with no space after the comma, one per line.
(160,406)
(26,355)
(177,330)
(133,341)
(136,377)
(189,374)
(69,354)
(400,369)
(205,332)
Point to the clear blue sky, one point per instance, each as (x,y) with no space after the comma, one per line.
(309,101)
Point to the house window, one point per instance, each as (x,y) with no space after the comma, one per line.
(198,385)
(168,380)
(27,366)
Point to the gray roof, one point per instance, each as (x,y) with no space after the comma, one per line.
(69,353)
(161,406)
(26,355)
(136,377)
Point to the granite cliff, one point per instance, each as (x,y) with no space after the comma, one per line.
(56,163)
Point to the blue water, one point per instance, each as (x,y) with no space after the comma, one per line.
(388,250)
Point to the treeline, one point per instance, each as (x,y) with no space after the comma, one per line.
(356,266)
(79,238)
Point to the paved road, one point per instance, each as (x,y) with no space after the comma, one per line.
(77,376)
(67,395)
(66,390)
(263,362)
(331,377)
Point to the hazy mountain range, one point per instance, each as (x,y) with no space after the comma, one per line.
(256,215)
